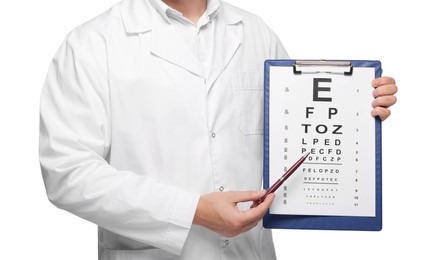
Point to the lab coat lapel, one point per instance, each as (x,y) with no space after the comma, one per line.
(168,45)
(228,31)
(140,17)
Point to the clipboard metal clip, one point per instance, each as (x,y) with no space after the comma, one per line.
(323,66)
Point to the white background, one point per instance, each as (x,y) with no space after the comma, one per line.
(394,32)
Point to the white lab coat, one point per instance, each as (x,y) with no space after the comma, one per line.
(132,132)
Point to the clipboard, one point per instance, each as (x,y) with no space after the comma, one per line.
(321,68)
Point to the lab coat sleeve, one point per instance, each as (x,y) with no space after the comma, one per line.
(75,142)
(278,51)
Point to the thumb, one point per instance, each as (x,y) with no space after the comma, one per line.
(243,196)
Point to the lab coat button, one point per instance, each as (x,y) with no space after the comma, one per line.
(221,188)
(214,135)
(226,242)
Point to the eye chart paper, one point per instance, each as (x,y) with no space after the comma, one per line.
(323,112)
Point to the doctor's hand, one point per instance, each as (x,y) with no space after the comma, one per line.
(218,211)
(384,91)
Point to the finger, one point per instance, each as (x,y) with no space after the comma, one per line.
(246,220)
(383,81)
(244,196)
(268,200)
(385,90)
(381,112)
(257,212)
(384,101)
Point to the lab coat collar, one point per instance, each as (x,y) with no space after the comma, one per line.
(136,16)
(163,9)
(139,16)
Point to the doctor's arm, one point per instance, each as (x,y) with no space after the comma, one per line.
(74,149)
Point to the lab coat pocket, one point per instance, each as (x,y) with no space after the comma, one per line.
(248,102)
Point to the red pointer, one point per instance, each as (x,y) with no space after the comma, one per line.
(286,175)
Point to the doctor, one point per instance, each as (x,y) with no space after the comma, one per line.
(151,128)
